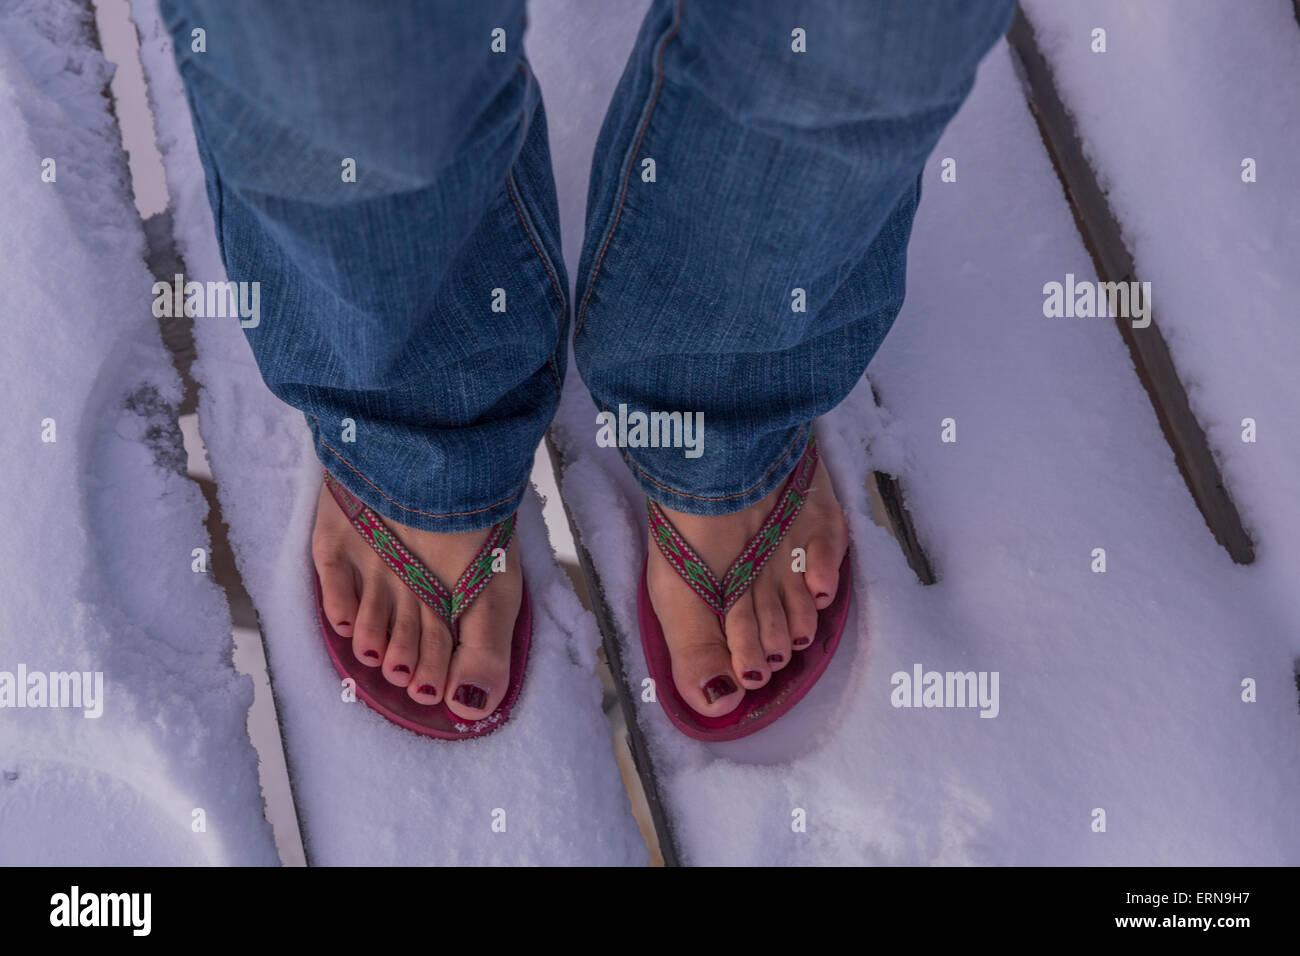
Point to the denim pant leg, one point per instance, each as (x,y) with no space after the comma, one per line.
(383,173)
(751,200)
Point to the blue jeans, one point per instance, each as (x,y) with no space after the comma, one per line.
(384,175)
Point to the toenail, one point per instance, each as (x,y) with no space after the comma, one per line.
(753,675)
(774,658)
(372,654)
(471,696)
(401,669)
(720,686)
(428,689)
(345,623)
(801,641)
(822,594)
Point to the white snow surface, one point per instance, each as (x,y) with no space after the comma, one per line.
(368,792)
(99,524)
(1187,90)
(1119,691)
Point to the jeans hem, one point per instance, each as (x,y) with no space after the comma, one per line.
(772,476)
(454,521)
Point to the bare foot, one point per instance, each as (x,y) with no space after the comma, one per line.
(391,628)
(714,664)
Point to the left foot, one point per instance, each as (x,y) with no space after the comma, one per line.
(392,629)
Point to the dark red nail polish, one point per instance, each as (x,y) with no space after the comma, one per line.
(471,696)
(345,623)
(802,641)
(428,689)
(822,594)
(720,686)
(374,655)
(401,669)
(774,658)
(753,675)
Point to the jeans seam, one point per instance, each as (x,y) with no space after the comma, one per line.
(201,142)
(523,220)
(546,264)
(631,161)
(398,504)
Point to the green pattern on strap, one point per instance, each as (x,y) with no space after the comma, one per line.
(449,605)
(720,596)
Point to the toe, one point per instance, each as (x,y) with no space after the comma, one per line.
(338,591)
(748,661)
(404,645)
(701,663)
(479,682)
(773,631)
(370,633)
(702,673)
(430,677)
(825,554)
(800,613)
(479,674)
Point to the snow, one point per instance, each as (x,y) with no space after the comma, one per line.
(99,524)
(367,792)
(1219,252)
(1119,691)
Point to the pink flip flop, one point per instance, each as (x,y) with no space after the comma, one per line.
(432,720)
(760,707)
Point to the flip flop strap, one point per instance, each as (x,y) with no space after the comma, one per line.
(689,566)
(479,572)
(720,596)
(448,605)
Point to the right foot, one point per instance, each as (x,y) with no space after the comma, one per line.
(392,628)
(714,662)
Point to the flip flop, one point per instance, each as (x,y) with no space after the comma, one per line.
(760,707)
(432,720)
